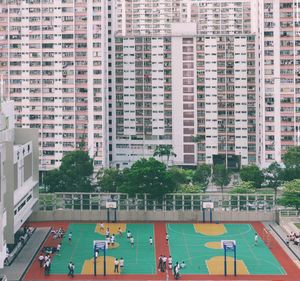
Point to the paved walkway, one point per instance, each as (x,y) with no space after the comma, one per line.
(17,269)
(280,235)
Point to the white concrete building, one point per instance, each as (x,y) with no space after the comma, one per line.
(54,61)
(18,176)
(185,76)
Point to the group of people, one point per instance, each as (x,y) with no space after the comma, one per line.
(130,238)
(59,233)
(45,262)
(293,238)
(117,264)
(163,261)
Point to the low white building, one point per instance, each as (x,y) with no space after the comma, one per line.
(18,176)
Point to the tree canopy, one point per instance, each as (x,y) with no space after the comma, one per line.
(202,174)
(291,194)
(253,174)
(164,150)
(220,176)
(243,187)
(148,176)
(291,160)
(110,180)
(73,175)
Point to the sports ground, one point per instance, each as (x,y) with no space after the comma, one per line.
(198,245)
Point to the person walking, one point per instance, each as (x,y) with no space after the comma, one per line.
(72,269)
(41,259)
(150,241)
(47,267)
(116,268)
(164,265)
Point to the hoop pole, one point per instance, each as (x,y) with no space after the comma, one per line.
(104,262)
(108,215)
(225,262)
(210,215)
(234,254)
(95,261)
(203,215)
(115,215)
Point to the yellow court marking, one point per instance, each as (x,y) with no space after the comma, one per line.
(215,266)
(210,229)
(88,266)
(113,228)
(213,245)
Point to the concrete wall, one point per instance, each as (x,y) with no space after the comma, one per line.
(79,215)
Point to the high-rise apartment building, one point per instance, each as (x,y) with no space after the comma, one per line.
(280,78)
(54,56)
(185,76)
(216,80)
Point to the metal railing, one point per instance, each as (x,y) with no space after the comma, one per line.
(171,202)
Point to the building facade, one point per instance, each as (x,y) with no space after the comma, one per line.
(54,59)
(216,80)
(19,164)
(186,76)
(280,78)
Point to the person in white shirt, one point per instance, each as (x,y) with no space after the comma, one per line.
(116,263)
(121,264)
(150,240)
(255,239)
(112,239)
(131,241)
(170,262)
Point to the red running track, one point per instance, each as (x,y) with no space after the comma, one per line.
(161,247)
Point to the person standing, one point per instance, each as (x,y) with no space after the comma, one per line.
(58,249)
(120,232)
(70,268)
(107,232)
(101,226)
(164,265)
(131,241)
(70,237)
(41,259)
(170,262)
(159,262)
(150,241)
(167,237)
(112,239)
(116,263)
(128,234)
(121,264)
(255,239)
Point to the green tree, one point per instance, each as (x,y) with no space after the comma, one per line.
(73,175)
(291,160)
(273,176)
(291,194)
(202,174)
(148,176)
(252,173)
(220,176)
(110,180)
(164,150)
(178,176)
(191,188)
(243,187)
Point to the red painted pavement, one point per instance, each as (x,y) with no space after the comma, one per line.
(161,247)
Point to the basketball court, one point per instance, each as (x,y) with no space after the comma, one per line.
(198,244)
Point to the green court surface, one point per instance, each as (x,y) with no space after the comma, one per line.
(298,225)
(137,260)
(188,246)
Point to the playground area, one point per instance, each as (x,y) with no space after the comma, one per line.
(198,245)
